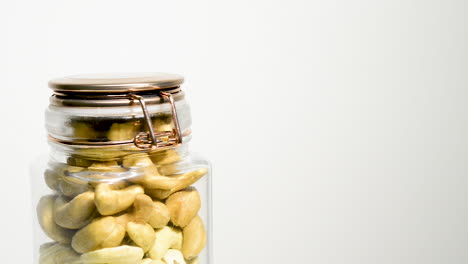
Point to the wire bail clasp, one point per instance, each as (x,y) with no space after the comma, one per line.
(152,139)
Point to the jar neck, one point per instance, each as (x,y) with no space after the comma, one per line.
(115,125)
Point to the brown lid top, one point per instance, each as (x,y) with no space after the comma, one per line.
(116,82)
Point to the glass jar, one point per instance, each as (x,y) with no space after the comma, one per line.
(120,184)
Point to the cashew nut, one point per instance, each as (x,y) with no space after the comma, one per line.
(166,238)
(79,161)
(138,161)
(123,131)
(151,178)
(142,234)
(103,154)
(100,233)
(177,183)
(105,166)
(165,157)
(169,169)
(75,213)
(45,215)
(183,206)
(174,256)
(55,253)
(104,170)
(140,213)
(55,177)
(194,238)
(195,260)
(70,186)
(172,182)
(45,246)
(84,130)
(150,261)
(145,166)
(160,215)
(114,255)
(163,123)
(158,262)
(109,201)
(51,178)
(166,160)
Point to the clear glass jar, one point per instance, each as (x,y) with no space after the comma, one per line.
(120,185)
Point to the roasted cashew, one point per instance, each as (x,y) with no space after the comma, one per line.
(109,201)
(45,216)
(166,238)
(183,206)
(159,216)
(174,256)
(74,213)
(194,238)
(177,183)
(142,234)
(101,233)
(114,255)
(55,253)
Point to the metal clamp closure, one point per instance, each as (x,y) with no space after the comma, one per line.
(148,140)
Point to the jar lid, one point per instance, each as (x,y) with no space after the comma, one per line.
(116,82)
(97,90)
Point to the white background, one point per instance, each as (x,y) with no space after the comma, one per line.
(337,129)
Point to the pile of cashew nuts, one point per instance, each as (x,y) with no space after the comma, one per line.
(149,219)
